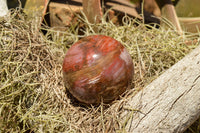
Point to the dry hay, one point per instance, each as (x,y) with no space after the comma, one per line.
(32,95)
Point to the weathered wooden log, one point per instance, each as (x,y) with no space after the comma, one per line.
(171,103)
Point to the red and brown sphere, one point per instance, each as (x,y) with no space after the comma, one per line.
(97,68)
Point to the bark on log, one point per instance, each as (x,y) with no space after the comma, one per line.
(171,103)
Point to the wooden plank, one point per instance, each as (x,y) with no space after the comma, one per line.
(35,7)
(93,11)
(62,14)
(124,6)
(168,12)
(3,8)
(171,103)
(190,24)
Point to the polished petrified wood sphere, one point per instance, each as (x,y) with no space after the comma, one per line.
(97,68)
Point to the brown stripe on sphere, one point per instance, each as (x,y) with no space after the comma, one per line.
(97,67)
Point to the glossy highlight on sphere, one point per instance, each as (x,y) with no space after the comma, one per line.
(97,67)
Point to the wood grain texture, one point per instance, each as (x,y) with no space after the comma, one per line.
(3,8)
(190,24)
(93,11)
(171,103)
(63,14)
(168,11)
(125,7)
